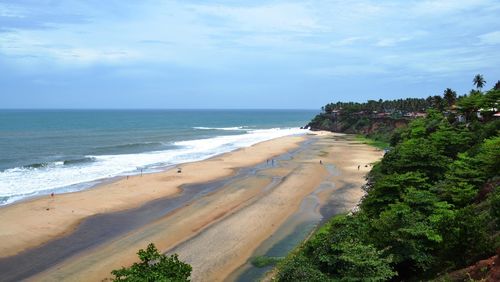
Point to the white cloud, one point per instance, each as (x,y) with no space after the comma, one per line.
(278,17)
(227,35)
(348,41)
(389,42)
(492,38)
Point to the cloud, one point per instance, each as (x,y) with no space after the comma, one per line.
(388,42)
(228,35)
(348,41)
(277,17)
(491,38)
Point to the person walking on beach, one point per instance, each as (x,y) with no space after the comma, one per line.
(358,167)
(320,162)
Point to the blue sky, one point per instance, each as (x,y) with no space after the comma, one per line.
(232,54)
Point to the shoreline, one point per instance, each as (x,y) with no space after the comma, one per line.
(157,167)
(219,230)
(31,223)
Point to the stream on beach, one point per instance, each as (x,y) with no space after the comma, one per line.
(311,214)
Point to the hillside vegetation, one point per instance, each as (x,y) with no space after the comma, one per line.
(378,119)
(432,204)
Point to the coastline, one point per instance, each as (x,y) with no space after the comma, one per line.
(30,223)
(220,230)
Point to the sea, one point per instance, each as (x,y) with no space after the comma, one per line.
(59,151)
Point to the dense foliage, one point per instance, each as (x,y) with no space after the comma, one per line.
(154,266)
(432,203)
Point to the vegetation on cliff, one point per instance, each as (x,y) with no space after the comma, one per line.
(432,203)
(378,119)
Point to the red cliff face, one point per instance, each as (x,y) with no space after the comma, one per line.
(487,270)
(385,124)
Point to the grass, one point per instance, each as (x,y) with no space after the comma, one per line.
(263,261)
(375,143)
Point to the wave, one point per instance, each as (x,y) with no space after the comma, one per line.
(79,161)
(35,165)
(130,147)
(71,161)
(234,128)
(81,173)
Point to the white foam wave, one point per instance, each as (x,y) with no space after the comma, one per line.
(20,182)
(234,128)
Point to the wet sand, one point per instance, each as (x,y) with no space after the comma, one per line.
(28,224)
(339,192)
(219,226)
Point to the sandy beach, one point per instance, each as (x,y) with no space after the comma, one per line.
(31,223)
(217,232)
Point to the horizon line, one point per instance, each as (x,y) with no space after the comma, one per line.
(160,109)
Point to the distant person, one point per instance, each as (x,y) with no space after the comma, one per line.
(179,170)
(358,167)
(52,194)
(320,162)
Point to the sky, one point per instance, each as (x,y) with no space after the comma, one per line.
(241,54)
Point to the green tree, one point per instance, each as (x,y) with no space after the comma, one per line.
(490,103)
(415,155)
(466,238)
(489,156)
(299,268)
(495,206)
(361,262)
(409,230)
(479,81)
(390,189)
(462,181)
(450,140)
(339,252)
(470,104)
(153,267)
(450,97)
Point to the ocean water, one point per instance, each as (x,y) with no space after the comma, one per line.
(45,151)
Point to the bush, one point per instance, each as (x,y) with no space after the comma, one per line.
(263,261)
(299,268)
(154,266)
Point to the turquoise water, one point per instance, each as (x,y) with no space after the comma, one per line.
(42,151)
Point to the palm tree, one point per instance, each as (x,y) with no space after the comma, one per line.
(450,96)
(479,81)
(497,85)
